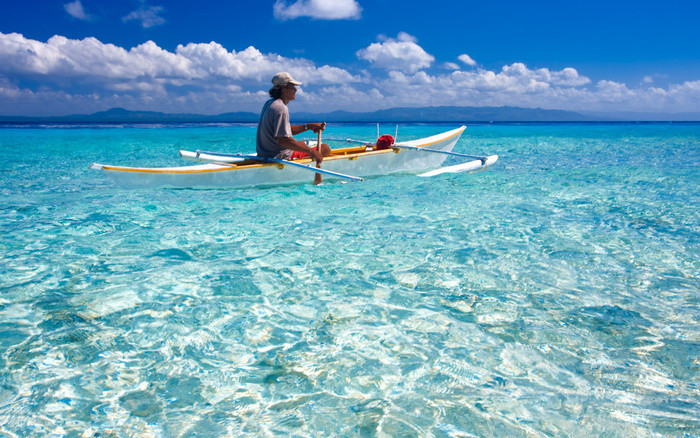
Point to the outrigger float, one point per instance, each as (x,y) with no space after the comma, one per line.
(239,170)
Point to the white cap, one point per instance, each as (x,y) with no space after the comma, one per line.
(283,78)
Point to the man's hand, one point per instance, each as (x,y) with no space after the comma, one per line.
(316,155)
(295,145)
(316,127)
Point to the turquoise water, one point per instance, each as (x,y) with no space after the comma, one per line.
(555,294)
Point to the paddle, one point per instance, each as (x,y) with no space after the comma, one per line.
(318,179)
(317,170)
(280,161)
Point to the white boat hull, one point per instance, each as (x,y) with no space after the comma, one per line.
(222,174)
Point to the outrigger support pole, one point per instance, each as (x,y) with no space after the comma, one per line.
(456,154)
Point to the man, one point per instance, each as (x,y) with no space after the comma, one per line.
(275,133)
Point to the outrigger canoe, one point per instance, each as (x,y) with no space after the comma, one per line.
(239,170)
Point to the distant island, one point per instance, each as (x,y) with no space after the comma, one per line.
(436,114)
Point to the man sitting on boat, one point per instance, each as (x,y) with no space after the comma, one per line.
(275,133)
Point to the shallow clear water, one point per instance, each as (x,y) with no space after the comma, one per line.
(555,294)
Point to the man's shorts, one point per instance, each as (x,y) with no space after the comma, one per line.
(289,154)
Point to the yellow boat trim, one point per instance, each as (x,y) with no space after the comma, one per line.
(459,132)
(184,170)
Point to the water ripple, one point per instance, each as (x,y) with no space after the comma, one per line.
(553,295)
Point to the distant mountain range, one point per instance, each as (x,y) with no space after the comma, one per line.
(456,114)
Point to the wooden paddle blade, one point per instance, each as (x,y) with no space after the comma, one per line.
(318,179)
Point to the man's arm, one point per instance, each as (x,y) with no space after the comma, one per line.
(298,129)
(290,143)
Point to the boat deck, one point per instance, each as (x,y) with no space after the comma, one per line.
(350,153)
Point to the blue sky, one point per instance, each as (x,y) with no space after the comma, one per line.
(80,56)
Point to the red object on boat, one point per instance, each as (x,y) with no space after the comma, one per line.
(385,141)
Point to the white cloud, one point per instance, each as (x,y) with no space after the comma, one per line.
(146,16)
(63,75)
(467,60)
(7,89)
(518,85)
(212,60)
(343,96)
(521,74)
(61,58)
(319,9)
(90,67)
(568,77)
(613,91)
(401,54)
(75,9)
(691,86)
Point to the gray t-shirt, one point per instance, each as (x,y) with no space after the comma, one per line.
(274,122)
